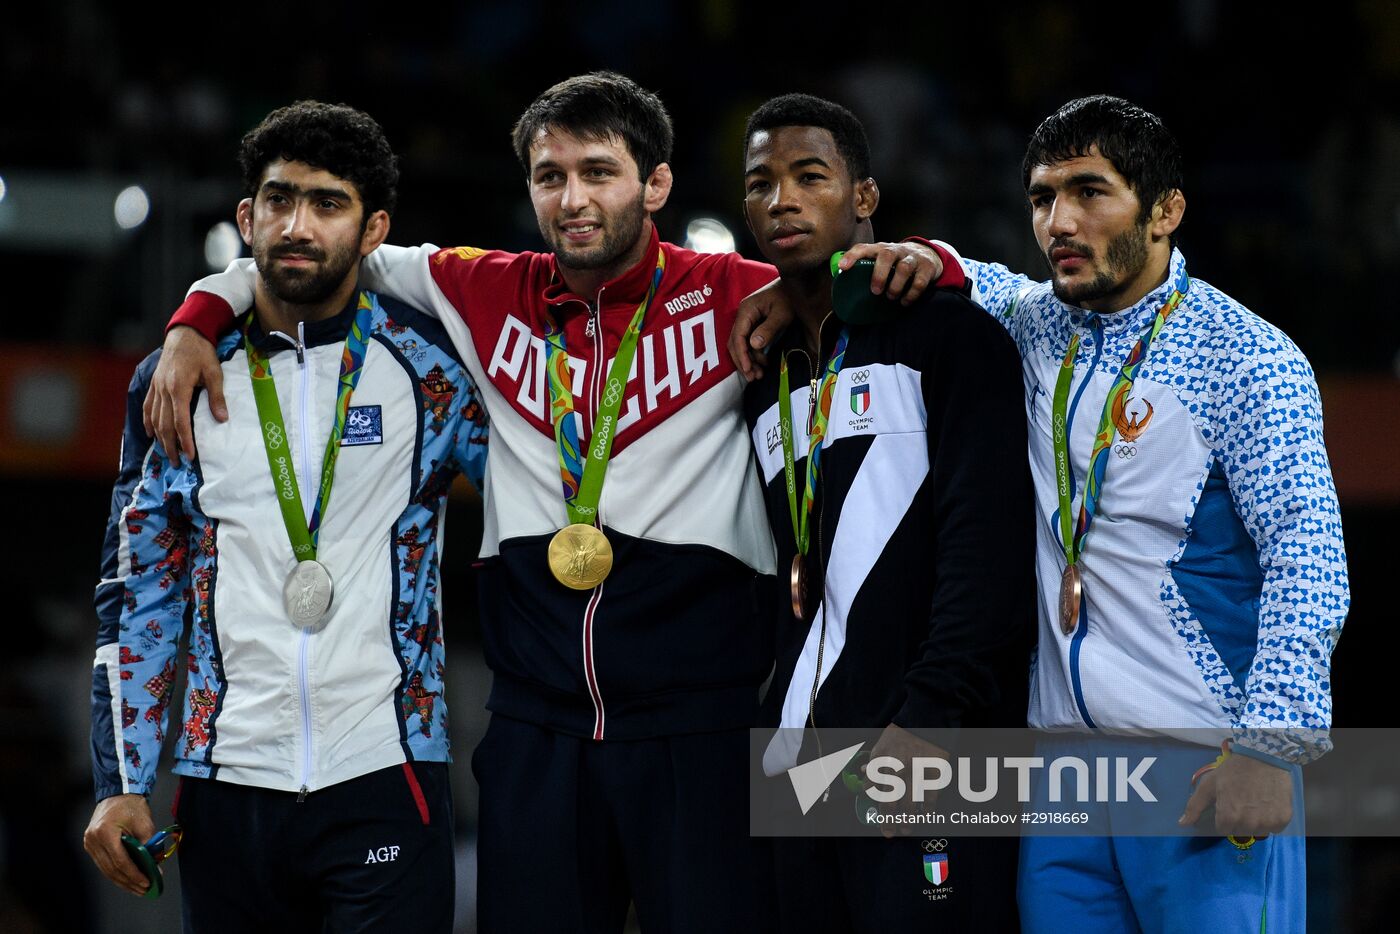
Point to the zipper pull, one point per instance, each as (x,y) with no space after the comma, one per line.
(811,403)
(301,348)
(301,795)
(589,329)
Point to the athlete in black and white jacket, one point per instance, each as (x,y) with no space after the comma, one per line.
(922,543)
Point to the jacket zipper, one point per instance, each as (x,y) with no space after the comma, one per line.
(304,640)
(594,329)
(815,378)
(1082,630)
(821,643)
(821,556)
(596,377)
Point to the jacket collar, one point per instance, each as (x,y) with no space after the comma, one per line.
(330,330)
(627,289)
(1136,317)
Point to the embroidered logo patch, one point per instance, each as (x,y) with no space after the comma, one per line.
(364,424)
(860,398)
(1130,425)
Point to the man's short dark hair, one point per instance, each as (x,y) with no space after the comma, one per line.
(806,110)
(597,106)
(343,141)
(1138,144)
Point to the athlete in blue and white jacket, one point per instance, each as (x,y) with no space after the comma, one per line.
(1214,574)
(1219,520)
(201,545)
(313,758)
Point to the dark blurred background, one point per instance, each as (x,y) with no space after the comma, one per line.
(117,182)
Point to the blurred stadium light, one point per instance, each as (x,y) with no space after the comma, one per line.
(222,245)
(707,235)
(131,207)
(83,213)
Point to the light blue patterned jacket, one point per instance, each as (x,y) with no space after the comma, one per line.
(1215,578)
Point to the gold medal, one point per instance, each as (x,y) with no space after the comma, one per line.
(1071,593)
(580,556)
(798,582)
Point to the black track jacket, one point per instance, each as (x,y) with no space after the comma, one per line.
(922,531)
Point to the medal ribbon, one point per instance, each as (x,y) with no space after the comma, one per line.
(1072,537)
(582,472)
(816,432)
(305,535)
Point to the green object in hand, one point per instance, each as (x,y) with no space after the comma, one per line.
(149,855)
(851,299)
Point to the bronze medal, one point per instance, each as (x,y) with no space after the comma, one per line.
(798,583)
(580,556)
(1071,593)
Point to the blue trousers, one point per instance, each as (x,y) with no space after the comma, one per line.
(1123,885)
(1166,883)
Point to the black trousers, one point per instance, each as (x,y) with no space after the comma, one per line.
(573,829)
(370,854)
(863,885)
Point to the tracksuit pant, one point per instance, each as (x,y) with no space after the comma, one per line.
(1166,882)
(370,854)
(572,830)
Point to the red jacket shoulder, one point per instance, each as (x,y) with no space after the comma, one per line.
(728,274)
(465,272)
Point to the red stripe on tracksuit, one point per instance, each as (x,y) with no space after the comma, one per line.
(417,790)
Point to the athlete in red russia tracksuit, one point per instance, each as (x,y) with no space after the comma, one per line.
(615,764)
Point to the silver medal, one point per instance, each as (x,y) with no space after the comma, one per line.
(307,594)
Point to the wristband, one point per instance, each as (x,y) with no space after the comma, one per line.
(1212,766)
(952,276)
(207,313)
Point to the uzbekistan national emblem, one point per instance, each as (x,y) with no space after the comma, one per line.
(1130,426)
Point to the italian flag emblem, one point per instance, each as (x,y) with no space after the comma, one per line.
(860,398)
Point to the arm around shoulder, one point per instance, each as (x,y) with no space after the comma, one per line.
(187,360)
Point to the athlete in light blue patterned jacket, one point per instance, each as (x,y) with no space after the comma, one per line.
(1218,518)
(1213,574)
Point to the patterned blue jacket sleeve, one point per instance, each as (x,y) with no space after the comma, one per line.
(996,288)
(141,604)
(1271,449)
(473,434)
